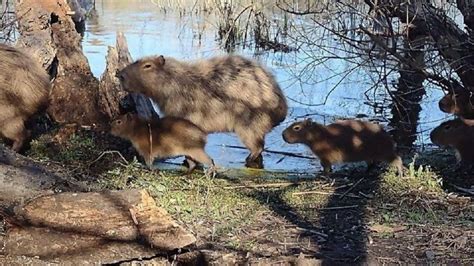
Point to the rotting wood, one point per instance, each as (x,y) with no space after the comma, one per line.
(75,249)
(110,91)
(50,34)
(107,215)
(105,226)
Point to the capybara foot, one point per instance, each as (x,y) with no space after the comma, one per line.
(257,163)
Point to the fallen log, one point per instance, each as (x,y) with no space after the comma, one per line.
(50,245)
(127,215)
(106,225)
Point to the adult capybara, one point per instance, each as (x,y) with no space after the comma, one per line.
(163,138)
(345,141)
(221,94)
(458,135)
(24,91)
(459,102)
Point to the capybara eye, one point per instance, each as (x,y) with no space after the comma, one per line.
(147,66)
(297,128)
(447,127)
(119,122)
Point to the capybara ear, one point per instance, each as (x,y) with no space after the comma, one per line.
(160,60)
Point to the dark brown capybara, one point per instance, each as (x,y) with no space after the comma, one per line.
(170,137)
(459,102)
(221,94)
(456,134)
(24,91)
(345,141)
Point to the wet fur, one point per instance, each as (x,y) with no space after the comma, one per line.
(458,135)
(171,137)
(222,94)
(345,141)
(24,91)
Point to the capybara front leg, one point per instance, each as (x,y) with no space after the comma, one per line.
(255,144)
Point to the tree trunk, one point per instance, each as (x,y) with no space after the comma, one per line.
(50,34)
(451,42)
(410,91)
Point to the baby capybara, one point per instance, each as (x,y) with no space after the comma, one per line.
(458,135)
(459,102)
(345,141)
(221,94)
(170,137)
(24,91)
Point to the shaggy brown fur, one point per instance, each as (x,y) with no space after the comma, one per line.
(24,91)
(458,135)
(460,102)
(345,141)
(170,137)
(222,94)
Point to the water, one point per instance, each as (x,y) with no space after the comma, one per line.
(151,31)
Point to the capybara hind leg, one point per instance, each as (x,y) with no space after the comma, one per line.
(200,156)
(15,131)
(255,145)
(191,164)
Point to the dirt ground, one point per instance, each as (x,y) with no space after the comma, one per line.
(349,217)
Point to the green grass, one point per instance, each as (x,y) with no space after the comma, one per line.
(416,179)
(218,211)
(80,147)
(196,199)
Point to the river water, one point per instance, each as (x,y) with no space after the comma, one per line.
(152,29)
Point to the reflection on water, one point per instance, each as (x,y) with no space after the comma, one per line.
(151,29)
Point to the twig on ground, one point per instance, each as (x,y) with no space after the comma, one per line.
(322,193)
(108,152)
(351,188)
(466,190)
(339,208)
(283,184)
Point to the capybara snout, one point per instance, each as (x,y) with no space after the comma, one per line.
(459,102)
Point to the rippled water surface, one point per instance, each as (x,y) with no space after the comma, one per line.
(150,30)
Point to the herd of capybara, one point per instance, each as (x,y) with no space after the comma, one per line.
(221,94)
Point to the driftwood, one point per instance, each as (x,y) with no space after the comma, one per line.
(47,30)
